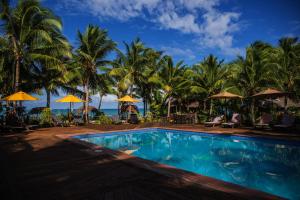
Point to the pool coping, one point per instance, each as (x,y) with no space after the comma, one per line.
(208,183)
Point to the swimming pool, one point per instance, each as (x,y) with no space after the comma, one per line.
(271,166)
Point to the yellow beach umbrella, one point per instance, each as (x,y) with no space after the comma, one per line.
(225,95)
(69,99)
(20,96)
(128,98)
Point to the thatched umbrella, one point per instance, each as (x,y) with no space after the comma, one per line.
(272,93)
(225,95)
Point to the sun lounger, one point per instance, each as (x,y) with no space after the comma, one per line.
(133,119)
(234,122)
(58,122)
(78,121)
(264,121)
(216,121)
(287,121)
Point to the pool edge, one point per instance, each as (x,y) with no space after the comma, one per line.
(209,183)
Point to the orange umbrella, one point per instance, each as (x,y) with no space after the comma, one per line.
(128,98)
(20,96)
(69,99)
(225,95)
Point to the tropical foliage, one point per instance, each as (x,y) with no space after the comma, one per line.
(36,57)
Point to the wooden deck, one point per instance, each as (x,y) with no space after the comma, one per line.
(39,165)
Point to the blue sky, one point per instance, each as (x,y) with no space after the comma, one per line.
(188,30)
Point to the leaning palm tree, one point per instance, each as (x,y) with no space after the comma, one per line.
(94,46)
(27,27)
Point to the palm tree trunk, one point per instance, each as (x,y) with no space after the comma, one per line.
(48,98)
(100,101)
(17,66)
(211,107)
(204,105)
(252,111)
(145,102)
(17,75)
(169,107)
(86,103)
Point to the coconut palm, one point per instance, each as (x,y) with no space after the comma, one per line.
(171,80)
(6,61)
(94,46)
(129,66)
(145,86)
(286,59)
(208,78)
(28,27)
(254,72)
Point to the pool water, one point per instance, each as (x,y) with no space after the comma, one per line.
(271,166)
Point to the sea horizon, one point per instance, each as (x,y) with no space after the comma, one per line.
(107,111)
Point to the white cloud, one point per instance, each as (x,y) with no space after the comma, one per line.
(212,27)
(179,52)
(172,20)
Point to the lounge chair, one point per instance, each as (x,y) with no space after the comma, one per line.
(216,121)
(264,121)
(58,122)
(234,122)
(287,121)
(133,119)
(78,120)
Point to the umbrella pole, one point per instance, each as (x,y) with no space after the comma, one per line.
(285,103)
(225,110)
(129,111)
(70,114)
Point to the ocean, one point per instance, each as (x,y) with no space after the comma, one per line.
(107,112)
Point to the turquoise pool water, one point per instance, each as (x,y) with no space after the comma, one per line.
(271,166)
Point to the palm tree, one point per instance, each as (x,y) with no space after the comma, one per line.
(145,86)
(207,78)
(286,59)
(94,46)
(254,72)
(171,80)
(129,67)
(28,27)
(6,61)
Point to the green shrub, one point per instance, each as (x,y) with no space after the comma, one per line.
(104,120)
(46,119)
(149,117)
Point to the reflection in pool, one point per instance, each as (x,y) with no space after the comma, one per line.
(272,166)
